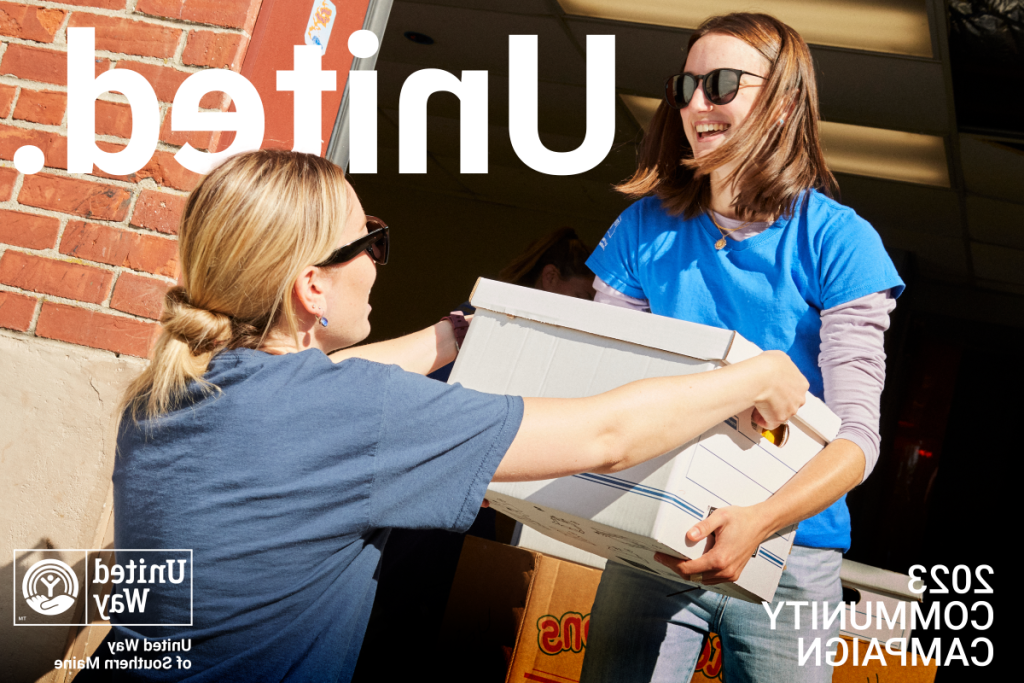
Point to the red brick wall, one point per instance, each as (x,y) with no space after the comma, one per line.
(85,259)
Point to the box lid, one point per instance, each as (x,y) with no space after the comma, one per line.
(654,331)
(702,342)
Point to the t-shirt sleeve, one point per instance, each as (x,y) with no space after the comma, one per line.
(605,294)
(615,259)
(438,449)
(853,262)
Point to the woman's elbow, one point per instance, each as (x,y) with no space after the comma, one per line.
(609,453)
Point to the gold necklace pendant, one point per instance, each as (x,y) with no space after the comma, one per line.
(720,244)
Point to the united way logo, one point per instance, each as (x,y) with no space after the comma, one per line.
(50,587)
(78,587)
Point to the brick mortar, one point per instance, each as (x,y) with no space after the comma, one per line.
(22,83)
(35,317)
(116,57)
(193,24)
(35,310)
(65,218)
(104,54)
(63,173)
(14,101)
(182,43)
(18,182)
(61,30)
(41,298)
(130,12)
(113,283)
(54,255)
(12,204)
(53,252)
(62,130)
(96,308)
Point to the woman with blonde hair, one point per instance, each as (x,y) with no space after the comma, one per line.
(281,457)
(735,227)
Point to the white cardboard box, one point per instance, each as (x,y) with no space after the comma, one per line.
(531,343)
(876,588)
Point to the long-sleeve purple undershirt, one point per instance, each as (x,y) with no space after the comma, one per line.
(852,357)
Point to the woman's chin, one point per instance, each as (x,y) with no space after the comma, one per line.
(702,149)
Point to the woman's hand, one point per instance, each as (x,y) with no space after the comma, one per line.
(785,390)
(420,352)
(735,533)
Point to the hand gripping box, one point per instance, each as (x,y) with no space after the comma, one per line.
(536,344)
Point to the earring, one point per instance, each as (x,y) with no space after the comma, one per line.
(321,319)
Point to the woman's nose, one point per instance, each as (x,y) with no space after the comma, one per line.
(699,102)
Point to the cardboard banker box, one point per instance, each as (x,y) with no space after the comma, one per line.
(532,343)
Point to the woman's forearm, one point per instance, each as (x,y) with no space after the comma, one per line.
(421,352)
(831,473)
(739,530)
(641,420)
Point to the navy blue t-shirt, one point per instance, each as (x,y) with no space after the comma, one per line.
(284,484)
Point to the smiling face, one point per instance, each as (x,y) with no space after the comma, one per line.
(708,125)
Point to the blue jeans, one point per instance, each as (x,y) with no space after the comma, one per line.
(637,634)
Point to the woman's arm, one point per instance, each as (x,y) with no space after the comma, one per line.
(642,420)
(420,352)
(852,360)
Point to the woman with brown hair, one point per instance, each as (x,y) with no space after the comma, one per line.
(735,227)
(554,263)
(281,457)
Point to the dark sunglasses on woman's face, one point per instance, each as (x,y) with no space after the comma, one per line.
(720,86)
(377,244)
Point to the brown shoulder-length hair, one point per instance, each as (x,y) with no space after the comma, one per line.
(776,163)
(562,248)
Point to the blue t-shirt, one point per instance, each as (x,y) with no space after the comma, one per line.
(285,484)
(771,287)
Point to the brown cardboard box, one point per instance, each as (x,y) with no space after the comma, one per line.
(519,616)
(519,609)
(709,664)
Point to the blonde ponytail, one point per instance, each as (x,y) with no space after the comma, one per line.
(246,232)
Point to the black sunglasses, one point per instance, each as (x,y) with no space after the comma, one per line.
(377,244)
(720,86)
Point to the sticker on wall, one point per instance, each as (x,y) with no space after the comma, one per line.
(321,21)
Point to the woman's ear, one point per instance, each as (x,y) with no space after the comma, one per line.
(309,291)
(549,278)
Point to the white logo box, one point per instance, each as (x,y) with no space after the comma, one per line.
(532,343)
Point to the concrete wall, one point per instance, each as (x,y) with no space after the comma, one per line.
(57,404)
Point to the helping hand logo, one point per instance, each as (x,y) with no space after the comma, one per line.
(50,587)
